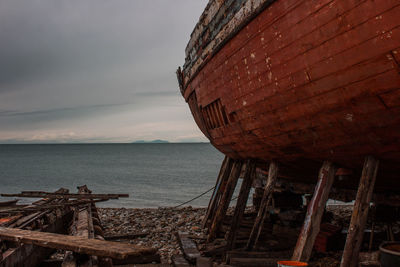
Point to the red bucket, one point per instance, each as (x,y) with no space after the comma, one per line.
(291,263)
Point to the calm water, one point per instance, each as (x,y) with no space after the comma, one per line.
(153,174)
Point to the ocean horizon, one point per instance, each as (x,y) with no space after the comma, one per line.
(153,174)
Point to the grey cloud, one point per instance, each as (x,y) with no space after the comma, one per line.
(62,60)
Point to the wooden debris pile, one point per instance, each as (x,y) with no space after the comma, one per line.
(63,221)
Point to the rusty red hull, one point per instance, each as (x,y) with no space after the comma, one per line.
(300,82)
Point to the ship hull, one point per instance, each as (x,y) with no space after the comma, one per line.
(302,82)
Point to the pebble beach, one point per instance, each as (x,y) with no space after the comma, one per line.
(161,224)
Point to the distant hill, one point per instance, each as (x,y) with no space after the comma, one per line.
(158,141)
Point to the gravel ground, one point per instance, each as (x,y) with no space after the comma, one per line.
(160,223)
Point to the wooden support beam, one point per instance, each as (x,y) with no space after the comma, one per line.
(315,210)
(77,244)
(241,203)
(188,247)
(360,213)
(225,200)
(265,201)
(218,190)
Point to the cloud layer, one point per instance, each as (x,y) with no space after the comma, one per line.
(94,70)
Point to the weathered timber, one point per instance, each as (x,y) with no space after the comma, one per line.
(40,194)
(241,203)
(188,247)
(138,260)
(204,262)
(23,221)
(77,244)
(49,207)
(360,213)
(180,261)
(315,210)
(51,263)
(8,203)
(215,192)
(218,190)
(84,225)
(225,200)
(255,262)
(213,250)
(21,255)
(265,202)
(258,254)
(126,236)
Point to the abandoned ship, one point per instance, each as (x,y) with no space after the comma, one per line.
(306,93)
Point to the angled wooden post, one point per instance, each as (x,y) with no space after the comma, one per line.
(315,210)
(262,212)
(218,190)
(241,203)
(360,213)
(225,200)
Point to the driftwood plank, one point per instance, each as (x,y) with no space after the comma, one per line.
(265,201)
(315,210)
(77,244)
(188,246)
(360,213)
(241,203)
(225,200)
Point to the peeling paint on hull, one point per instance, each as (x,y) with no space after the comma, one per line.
(299,82)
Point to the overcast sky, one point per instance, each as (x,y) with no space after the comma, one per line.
(94,70)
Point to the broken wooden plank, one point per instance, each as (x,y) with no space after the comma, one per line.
(8,203)
(254,262)
(77,244)
(41,194)
(49,207)
(33,254)
(204,262)
(241,203)
(360,213)
(285,254)
(188,247)
(265,202)
(138,260)
(315,210)
(180,261)
(225,200)
(128,236)
(83,225)
(51,263)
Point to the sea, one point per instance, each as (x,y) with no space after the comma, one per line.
(154,175)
